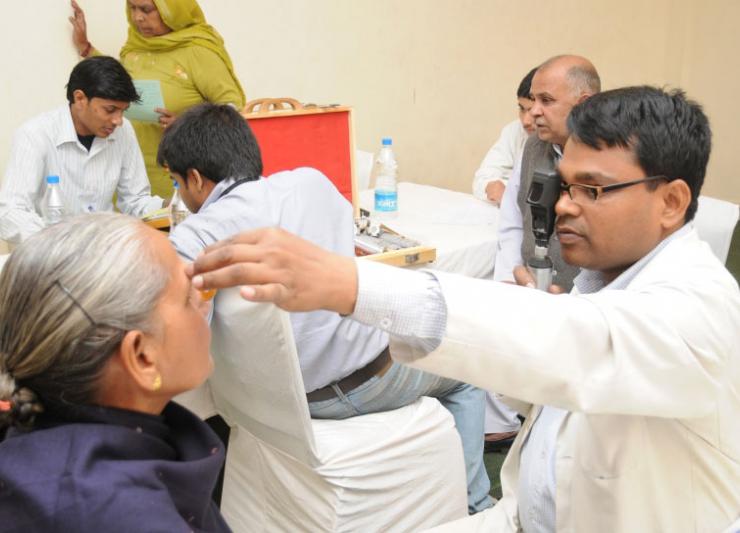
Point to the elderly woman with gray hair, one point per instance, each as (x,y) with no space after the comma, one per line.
(99,329)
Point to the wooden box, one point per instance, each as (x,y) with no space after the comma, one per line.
(291,135)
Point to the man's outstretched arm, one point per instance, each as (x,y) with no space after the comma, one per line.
(272,265)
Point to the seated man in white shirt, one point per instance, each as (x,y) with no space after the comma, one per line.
(88,144)
(346,366)
(631,383)
(490,179)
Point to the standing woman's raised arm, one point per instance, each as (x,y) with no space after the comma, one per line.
(79,30)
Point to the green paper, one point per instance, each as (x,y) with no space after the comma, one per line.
(150,92)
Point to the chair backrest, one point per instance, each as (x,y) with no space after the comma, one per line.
(257,380)
(715,222)
(363,168)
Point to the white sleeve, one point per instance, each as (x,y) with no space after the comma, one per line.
(499,161)
(662,350)
(134,192)
(23,181)
(510,230)
(407,304)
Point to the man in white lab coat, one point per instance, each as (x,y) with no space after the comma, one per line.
(631,384)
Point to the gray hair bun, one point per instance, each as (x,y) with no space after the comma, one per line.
(24,404)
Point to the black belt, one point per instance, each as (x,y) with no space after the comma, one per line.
(354,380)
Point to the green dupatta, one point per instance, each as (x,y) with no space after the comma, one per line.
(189,28)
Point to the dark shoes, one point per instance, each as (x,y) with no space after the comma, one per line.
(498,442)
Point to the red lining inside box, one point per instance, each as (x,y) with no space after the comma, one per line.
(318,140)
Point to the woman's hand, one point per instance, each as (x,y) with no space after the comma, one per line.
(79,29)
(166,118)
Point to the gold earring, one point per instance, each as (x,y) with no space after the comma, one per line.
(157,383)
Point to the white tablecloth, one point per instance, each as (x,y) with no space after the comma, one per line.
(461,227)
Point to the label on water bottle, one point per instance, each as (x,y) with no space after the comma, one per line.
(386,201)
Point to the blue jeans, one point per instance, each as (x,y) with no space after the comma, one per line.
(402,385)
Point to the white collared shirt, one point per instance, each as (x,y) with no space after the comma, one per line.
(302,201)
(48,145)
(501,158)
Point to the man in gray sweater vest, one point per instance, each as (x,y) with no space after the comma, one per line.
(558,85)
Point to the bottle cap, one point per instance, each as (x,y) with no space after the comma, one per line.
(387,141)
(52,179)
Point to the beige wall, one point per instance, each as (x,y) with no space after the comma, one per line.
(439,76)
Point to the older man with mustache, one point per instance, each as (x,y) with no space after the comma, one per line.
(559,84)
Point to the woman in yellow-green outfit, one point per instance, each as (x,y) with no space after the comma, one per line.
(169,41)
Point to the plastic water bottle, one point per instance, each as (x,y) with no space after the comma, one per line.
(386,187)
(178,210)
(53,209)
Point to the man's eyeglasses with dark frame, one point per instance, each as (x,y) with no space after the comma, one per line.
(594,192)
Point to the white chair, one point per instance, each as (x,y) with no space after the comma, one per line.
(400,470)
(363,169)
(715,222)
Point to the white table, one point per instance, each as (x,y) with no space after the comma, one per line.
(461,227)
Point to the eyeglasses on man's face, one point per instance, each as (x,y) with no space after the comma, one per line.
(579,192)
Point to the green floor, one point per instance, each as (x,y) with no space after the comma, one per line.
(494,461)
